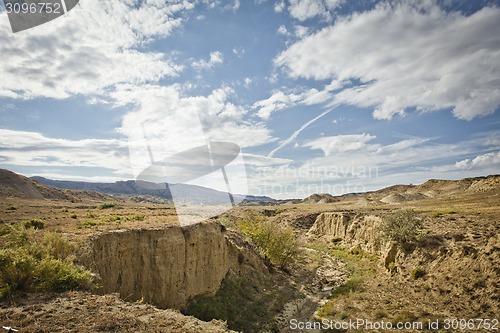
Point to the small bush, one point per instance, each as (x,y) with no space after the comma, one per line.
(417,273)
(11,208)
(402,227)
(35,224)
(107,205)
(87,224)
(73,216)
(33,261)
(276,243)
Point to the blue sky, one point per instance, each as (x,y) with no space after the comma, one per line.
(321,95)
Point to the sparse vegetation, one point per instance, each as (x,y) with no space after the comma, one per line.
(35,224)
(87,224)
(361,265)
(277,243)
(10,207)
(107,205)
(442,212)
(34,261)
(417,273)
(248,305)
(402,226)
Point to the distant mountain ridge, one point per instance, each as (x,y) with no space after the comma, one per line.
(186,193)
(13,185)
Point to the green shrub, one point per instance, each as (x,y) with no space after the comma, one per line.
(36,261)
(417,273)
(277,243)
(443,212)
(402,227)
(11,208)
(35,224)
(87,224)
(107,205)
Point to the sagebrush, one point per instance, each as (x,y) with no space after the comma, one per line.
(276,242)
(402,226)
(32,260)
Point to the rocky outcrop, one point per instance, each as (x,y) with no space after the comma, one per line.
(354,230)
(165,267)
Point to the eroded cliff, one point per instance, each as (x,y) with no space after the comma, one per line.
(351,229)
(165,267)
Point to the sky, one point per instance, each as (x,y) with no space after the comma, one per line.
(320,96)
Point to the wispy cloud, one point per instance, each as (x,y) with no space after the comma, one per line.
(216,58)
(296,133)
(340,143)
(33,149)
(307,9)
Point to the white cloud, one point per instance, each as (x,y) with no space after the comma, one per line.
(406,55)
(216,58)
(86,51)
(306,9)
(481,161)
(34,149)
(171,123)
(340,143)
(359,163)
(282,30)
(279,6)
(247,82)
(236,5)
(278,101)
(301,31)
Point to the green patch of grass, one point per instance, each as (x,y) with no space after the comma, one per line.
(87,224)
(361,265)
(90,215)
(442,212)
(122,218)
(37,261)
(107,205)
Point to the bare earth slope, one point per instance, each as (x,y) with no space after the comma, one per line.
(13,185)
(87,313)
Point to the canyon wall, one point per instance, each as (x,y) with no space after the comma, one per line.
(165,267)
(353,230)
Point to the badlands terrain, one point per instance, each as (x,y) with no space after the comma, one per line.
(112,263)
